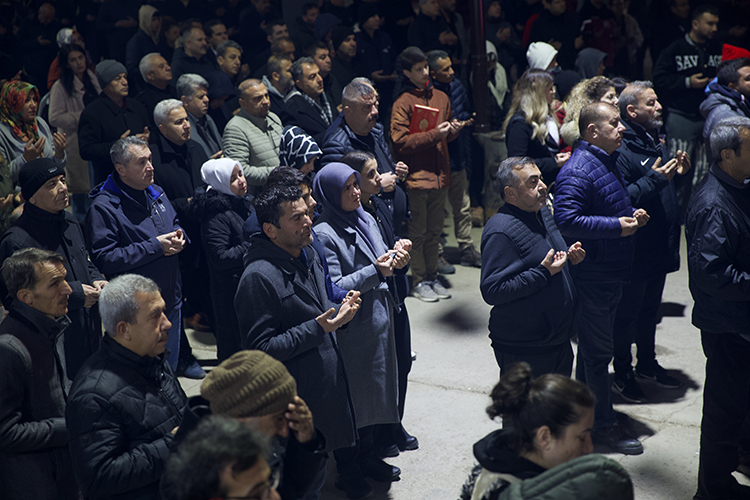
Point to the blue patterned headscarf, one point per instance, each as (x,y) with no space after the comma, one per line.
(327,188)
(297,148)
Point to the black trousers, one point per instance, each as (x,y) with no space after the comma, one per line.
(726,402)
(553,360)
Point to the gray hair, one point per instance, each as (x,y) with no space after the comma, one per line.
(164,108)
(19,270)
(355,92)
(221,50)
(120,153)
(506,175)
(188,85)
(726,135)
(434,56)
(146,65)
(296,68)
(365,80)
(631,94)
(117,301)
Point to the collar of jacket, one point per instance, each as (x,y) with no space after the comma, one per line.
(146,365)
(425,93)
(637,133)
(170,148)
(37,320)
(263,248)
(599,153)
(728,92)
(727,179)
(112,105)
(111,185)
(271,89)
(262,123)
(529,218)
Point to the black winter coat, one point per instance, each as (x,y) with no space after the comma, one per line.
(297,464)
(61,233)
(277,302)
(222,219)
(531,308)
(34,457)
(101,125)
(121,412)
(657,244)
(717,230)
(519,141)
(298,111)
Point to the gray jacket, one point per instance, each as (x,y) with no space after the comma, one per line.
(12,147)
(254,142)
(367,345)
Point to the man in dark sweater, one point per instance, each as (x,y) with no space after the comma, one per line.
(680,76)
(524,276)
(191,57)
(34,459)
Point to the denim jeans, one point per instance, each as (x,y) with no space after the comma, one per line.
(173,342)
(594,324)
(637,316)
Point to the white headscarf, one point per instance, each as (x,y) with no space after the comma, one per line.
(218,174)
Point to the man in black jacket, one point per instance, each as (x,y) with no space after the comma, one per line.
(34,456)
(649,177)
(717,230)
(524,276)
(126,404)
(110,117)
(307,106)
(46,224)
(680,75)
(191,57)
(157,74)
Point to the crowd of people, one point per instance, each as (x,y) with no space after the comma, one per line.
(270,171)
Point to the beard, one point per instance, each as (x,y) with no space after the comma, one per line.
(655,124)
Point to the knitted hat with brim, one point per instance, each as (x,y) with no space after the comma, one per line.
(249,384)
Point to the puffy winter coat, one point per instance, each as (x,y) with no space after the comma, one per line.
(120,415)
(460,149)
(657,244)
(277,301)
(590,197)
(721,102)
(717,230)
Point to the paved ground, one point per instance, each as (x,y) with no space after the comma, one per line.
(455,370)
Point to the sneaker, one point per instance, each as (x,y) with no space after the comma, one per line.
(657,375)
(440,290)
(470,257)
(424,292)
(444,267)
(191,370)
(617,440)
(628,389)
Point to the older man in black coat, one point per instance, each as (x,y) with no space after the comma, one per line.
(34,457)
(46,224)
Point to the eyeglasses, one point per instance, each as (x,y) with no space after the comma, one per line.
(263,491)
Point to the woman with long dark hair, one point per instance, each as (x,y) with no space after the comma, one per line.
(68,97)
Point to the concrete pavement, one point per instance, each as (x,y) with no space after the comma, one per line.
(455,371)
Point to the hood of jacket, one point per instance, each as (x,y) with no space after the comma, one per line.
(407,86)
(720,94)
(212,202)
(494,454)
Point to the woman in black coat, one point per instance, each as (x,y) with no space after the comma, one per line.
(223,208)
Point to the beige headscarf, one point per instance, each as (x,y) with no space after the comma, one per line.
(145,14)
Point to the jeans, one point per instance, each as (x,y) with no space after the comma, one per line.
(594,323)
(726,402)
(173,342)
(637,316)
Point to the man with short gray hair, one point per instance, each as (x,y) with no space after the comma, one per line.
(126,403)
(193,92)
(34,386)
(525,277)
(717,230)
(157,74)
(253,136)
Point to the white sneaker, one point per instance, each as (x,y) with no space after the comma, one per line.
(440,290)
(424,292)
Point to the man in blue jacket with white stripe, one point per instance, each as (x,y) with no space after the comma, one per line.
(592,205)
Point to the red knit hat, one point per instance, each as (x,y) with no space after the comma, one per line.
(729,52)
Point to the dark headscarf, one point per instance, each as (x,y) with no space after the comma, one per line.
(327,188)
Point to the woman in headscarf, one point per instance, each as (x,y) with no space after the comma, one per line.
(68,97)
(145,41)
(23,135)
(358,259)
(298,150)
(223,208)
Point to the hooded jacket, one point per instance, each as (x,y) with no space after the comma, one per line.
(61,233)
(34,456)
(721,102)
(657,244)
(426,153)
(590,197)
(121,236)
(120,415)
(277,301)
